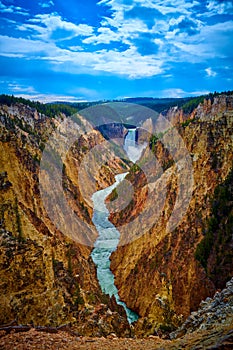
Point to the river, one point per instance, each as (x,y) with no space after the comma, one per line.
(108,238)
(105,244)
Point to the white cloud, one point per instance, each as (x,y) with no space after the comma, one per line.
(198,93)
(126,31)
(129,62)
(117,5)
(211,42)
(5,9)
(15,87)
(179,93)
(46,98)
(13,9)
(12,55)
(105,37)
(210,73)
(46,4)
(23,47)
(43,26)
(173,93)
(53,22)
(191,52)
(76,48)
(165,6)
(194,23)
(215,7)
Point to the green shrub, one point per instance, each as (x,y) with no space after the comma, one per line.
(219,225)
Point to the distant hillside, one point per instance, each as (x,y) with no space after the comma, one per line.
(156,105)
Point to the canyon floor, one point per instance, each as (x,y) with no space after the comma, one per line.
(218,337)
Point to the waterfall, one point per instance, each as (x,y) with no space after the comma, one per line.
(130,138)
(131,147)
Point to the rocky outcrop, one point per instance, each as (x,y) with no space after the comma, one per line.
(212,312)
(112,130)
(102,321)
(157,273)
(214,109)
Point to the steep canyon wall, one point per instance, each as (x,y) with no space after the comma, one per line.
(47,277)
(163,275)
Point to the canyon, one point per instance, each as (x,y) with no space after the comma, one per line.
(47,274)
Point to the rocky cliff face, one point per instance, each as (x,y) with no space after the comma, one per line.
(159,273)
(46,277)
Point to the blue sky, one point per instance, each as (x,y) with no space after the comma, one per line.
(91,50)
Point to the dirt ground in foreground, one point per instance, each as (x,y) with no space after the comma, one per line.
(216,338)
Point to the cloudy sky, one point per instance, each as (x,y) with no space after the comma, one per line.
(91,50)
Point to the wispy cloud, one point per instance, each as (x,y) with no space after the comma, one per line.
(46,4)
(173,93)
(46,98)
(129,62)
(211,42)
(23,47)
(16,87)
(124,33)
(104,36)
(52,27)
(164,7)
(21,89)
(210,72)
(168,6)
(179,93)
(13,9)
(219,7)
